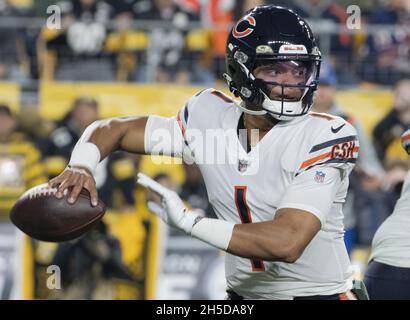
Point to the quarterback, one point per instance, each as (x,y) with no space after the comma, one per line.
(279,196)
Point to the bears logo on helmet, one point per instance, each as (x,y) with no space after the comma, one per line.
(241,34)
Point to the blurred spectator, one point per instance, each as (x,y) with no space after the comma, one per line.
(123,7)
(84,111)
(168,59)
(243,6)
(339,46)
(390,128)
(219,15)
(396,171)
(79,47)
(193,6)
(129,43)
(193,190)
(88,266)
(366,6)
(367,178)
(20,162)
(115,171)
(40,7)
(37,128)
(386,55)
(14,62)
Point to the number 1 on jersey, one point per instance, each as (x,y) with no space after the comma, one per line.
(246,217)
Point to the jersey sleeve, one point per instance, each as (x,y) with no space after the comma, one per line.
(183,135)
(321,178)
(336,146)
(314,191)
(186,113)
(162,136)
(201,111)
(166,136)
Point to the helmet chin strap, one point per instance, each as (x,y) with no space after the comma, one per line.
(269,105)
(252,112)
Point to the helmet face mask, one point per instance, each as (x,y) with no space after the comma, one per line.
(298,77)
(275,68)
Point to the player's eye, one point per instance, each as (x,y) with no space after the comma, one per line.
(274,72)
(300,72)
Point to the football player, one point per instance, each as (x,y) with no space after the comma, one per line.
(279,194)
(388,273)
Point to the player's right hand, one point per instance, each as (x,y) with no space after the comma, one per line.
(76,178)
(172,209)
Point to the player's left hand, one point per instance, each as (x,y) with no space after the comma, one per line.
(172,210)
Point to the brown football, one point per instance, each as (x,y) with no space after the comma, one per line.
(42,216)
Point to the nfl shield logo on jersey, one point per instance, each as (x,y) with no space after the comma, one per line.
(243,165)
(320,176)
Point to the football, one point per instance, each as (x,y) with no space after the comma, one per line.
(42,216)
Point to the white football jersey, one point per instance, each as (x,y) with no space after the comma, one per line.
(295,165)
(391,242)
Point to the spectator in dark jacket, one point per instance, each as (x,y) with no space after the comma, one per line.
(80,45)
(89,264)
(395,122)
(14,61)
(116,171)
(386,54)
(169,60)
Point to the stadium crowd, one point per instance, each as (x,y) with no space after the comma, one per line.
(184,40)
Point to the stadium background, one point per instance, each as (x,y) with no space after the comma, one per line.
(141,57)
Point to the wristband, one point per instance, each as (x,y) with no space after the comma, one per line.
(217,233)
(85,155)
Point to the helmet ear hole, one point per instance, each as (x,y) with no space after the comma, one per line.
(231,69)
(235,92)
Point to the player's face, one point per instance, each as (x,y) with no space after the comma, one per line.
(87,3)
(85,114)
(404,116)
(285,73)
(7,125)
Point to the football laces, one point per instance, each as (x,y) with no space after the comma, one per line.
(43,190)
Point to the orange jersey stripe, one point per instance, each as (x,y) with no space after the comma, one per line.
(222,96)
(343,296)
(347,296)
(313,160)
(405,138)
(181,125)
(320,115)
